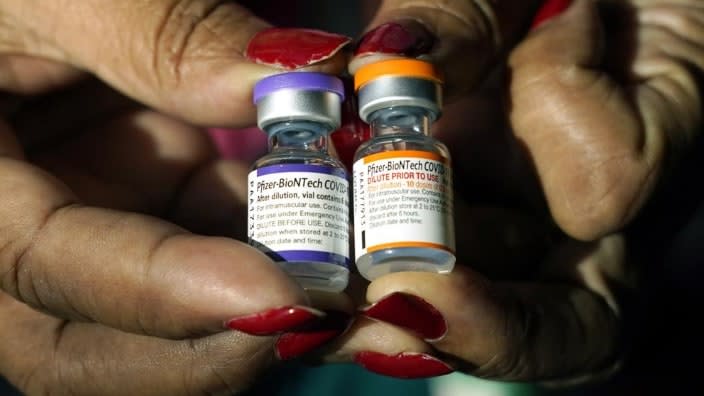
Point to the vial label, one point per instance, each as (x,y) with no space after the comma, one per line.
(402,199)
(300,212)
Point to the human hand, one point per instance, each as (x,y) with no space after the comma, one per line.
(602,100)
(547,314)
(101,292)
(523,303)
(529,308)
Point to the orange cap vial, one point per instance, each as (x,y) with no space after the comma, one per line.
(398,82)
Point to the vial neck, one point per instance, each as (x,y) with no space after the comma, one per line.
(299,136)
(400,121)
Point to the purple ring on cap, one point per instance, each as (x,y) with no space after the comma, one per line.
(308,81)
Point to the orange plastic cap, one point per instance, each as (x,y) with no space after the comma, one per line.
(396,67)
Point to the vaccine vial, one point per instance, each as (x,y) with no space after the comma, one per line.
(298,198)
(402,179)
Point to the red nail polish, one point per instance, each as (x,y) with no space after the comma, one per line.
(411,312)
(353,131)
(410,39)
(404,365)
(293,48)
(275,320)
(549,10)
(294,344)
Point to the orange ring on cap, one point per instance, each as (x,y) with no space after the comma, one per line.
(396,67)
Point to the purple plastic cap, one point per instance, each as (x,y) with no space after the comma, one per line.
(305,81)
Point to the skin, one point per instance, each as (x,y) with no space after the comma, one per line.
(106,288)
(568,133)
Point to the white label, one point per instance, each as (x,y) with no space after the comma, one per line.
(300,212)
(402,199)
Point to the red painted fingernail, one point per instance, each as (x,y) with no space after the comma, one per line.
(411,312)
(294,344)
(408,39)
(404,365)
(275,320)
(353,131)
(549,10)
(293,48)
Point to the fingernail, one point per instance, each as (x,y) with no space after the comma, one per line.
(293,48)
(549,10)
(294,344)
(404,365)
(408,39)
(410,312)
(275,320)
(353,131)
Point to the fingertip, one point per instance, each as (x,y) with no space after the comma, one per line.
(371,335)
(423,283)
(549,10)
(411,312)
(270,51)
(206,281)
(357,62)
(294,48)
(464,39)
(401,37)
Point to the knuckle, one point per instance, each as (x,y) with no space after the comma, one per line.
(35,381)
(225,362)
(677,91)
(599,327)
(678,26)
(472,19)
(189,29)
(149,303)
(486,14)
(200,367)
(545,340)
(13,37)
(47,373)
(600,197)
(31,206)
(28,282)
(513,339)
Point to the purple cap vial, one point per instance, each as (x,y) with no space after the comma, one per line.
(304,81)
(299,96)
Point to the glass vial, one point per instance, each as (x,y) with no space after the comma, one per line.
(298,199)
(402,179)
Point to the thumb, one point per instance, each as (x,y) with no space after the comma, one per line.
(587,120)
(464,38)
(187,58)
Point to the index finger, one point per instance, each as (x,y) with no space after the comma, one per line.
(197,60)
(464,38)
